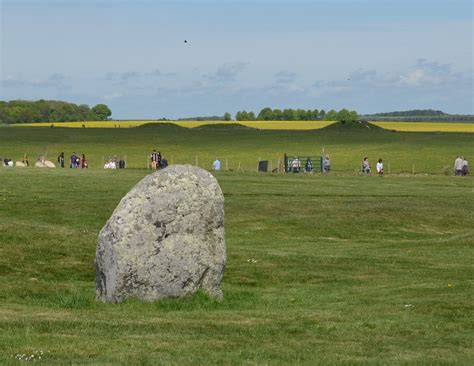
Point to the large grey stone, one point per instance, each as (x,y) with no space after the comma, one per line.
(164,239)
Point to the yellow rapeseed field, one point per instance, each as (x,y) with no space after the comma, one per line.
(266,125)
(427,126)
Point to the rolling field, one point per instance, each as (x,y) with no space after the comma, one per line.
(321,269)
(242,147)
(268,125)
(264,125)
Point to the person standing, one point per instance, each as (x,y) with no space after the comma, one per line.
(379,167)
(84,163)
(296,165)
(216,165)
(326,164)
(458,166)
(154,159)
(308,167)
(73,160)
(61,160)
(366,166)
(158,162)
(465,166)
(25,159)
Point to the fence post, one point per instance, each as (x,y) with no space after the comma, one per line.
(226,164)
(413,168)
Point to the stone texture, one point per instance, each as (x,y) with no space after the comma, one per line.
(164,239)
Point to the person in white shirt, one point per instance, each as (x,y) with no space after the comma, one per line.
(216,165)
(296,165)
(380,166)
(458,166)
(326,164)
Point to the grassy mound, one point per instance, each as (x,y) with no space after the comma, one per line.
(224,126)
(354,126)
(167,125)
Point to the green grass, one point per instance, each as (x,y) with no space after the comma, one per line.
(427,152)
(337,269)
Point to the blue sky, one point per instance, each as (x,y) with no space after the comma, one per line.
(365,55)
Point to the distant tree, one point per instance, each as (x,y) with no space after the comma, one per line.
(331,115)
(22,111)
(322,114)
(266,114)
(245,116)
(227,116)
(102,111)
(288,114)
(315,115)
(277,115)
(300,115)
(346,116)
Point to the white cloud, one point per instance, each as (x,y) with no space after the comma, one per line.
(228,72)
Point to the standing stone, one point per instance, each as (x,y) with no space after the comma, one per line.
(164,239)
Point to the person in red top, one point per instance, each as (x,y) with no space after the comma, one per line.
(84,163)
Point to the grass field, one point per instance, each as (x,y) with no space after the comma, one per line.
(321,269)
(242,147)
(268,125)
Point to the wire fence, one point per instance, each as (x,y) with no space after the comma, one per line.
(242,164)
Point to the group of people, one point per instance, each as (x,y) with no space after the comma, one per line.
(75,161)
(7,162)
(461,166)
(114,163)
(295,165)
(157,161)
(366,169)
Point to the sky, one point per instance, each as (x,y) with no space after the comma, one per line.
(365,55)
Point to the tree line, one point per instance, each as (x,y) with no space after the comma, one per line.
(22,111)
(268,114)
(419,115)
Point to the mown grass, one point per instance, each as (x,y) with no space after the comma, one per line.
(240,148)
(336,269)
